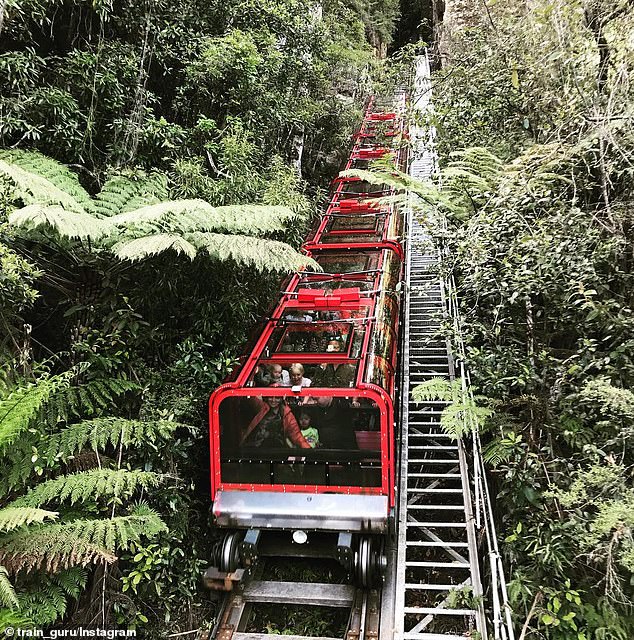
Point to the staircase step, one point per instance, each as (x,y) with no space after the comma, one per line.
(415,490)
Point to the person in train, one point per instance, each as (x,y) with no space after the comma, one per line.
(272,425)
(332,417)
(266,376)
(279,376)
(334,375)
(310,432)
(296,376)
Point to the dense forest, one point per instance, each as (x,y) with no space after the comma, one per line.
(534,106)
(159,165)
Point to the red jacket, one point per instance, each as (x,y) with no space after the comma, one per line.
(289,424)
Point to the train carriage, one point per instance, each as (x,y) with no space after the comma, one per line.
(302,435)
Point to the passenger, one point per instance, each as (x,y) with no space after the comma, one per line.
(279,376)
(308,431)
(272,425)
(335,426)
(334,375)
(262,377)
(299,317)
(296,376)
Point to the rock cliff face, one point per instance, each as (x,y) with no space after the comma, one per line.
(457,15)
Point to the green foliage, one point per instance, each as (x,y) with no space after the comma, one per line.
(79,542)
(22,406)
(17,515)
(101,432)
(537,165)
(93,485)
(48,602)
(7,593)
(462,414)
(183,226)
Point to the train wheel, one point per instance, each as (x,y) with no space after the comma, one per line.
(227,552)
(370,562)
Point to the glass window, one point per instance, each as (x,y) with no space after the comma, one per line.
(349,262)
(346,223)
(326,374)
(279,440)
(317,337)
(360,187)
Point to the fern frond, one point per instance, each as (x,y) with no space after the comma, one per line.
(127,192)
(183,216)
(476,163)
(71,581)
(50,549)
(259,253)
(498,451)
(100,432)
(45,599)
(34,189)
(95,484)
(67,223)
(90,398)
(15,516)
(152,245)
(462,414)
(56,173)
(439,389)
(81,542)
(7,592)
(20,408)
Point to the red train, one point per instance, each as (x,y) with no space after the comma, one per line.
(302,435)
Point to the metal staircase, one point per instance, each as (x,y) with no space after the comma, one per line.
(437,551)
(438,587)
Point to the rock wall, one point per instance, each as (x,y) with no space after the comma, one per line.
(457,16)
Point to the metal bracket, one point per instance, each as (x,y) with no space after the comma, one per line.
(344,550)
(249,547)
(220,580)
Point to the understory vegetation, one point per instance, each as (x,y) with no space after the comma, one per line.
(534,109)
(159,164)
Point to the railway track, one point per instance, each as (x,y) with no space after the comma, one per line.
(237,619)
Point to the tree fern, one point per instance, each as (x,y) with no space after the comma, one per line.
(100,432)
(7,592)
(46,600)
(130,191)
(184,216)
(439,389)
(398,180)
(56,173)
(67,223)
(49,548)
(81,542)
(87,399)
(96,484)
(152,245)
(258,253)
(462,413)
(18,410)
(15,516)
(32,188)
